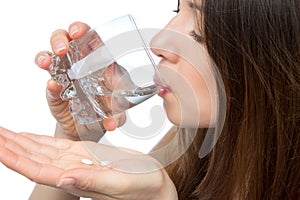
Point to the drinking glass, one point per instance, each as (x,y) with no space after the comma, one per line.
(106,71)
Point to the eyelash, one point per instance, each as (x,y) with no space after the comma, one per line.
(193,34)
(196,37)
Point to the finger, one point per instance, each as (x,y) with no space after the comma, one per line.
(44,174)
(5,143)
(48,150)
(77,29)
(20,150)
(56,143)
(109,181)
(60,42)
(43,60)
(111,123)
(120,174)
(26,145)
(92,179)
(67,185)
(53,90)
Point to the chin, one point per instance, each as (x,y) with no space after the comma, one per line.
(172,114)
(189,121)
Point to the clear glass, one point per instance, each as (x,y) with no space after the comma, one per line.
(106,71)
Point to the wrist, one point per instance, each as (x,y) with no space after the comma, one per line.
(61,133)
(89,132)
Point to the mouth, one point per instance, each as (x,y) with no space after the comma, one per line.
(160,82)
(164,89)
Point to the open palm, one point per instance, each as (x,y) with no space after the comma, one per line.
(57,163)
(40,158)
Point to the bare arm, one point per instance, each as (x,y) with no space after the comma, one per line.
(50,193)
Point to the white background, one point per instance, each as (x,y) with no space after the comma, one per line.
(26,26)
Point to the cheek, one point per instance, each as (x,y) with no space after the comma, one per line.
(189,104)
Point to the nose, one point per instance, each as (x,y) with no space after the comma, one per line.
(164,44)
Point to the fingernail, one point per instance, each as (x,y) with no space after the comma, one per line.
(66,182)
(40,59)
(60,45)
(73,30)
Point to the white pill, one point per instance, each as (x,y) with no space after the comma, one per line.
(86,161)
(105,163)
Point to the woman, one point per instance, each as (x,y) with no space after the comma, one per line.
(255,45)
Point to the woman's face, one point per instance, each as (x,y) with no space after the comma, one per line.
(185,66)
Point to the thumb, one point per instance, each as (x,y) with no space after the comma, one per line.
(115,121)
(88,179)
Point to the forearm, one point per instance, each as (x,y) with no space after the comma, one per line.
(50,193)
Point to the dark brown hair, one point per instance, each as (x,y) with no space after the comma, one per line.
(256,47)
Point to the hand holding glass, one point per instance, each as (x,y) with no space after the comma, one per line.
(106,71)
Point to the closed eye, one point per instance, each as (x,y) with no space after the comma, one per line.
(196,37)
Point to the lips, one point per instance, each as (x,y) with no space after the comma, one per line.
(158,80)
(164,91)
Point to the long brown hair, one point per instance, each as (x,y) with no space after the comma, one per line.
(256,47)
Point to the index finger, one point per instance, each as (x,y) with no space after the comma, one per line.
(60,42)
(77,29)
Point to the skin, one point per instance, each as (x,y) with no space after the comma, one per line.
(186,75)
(56,162)
(59,108)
